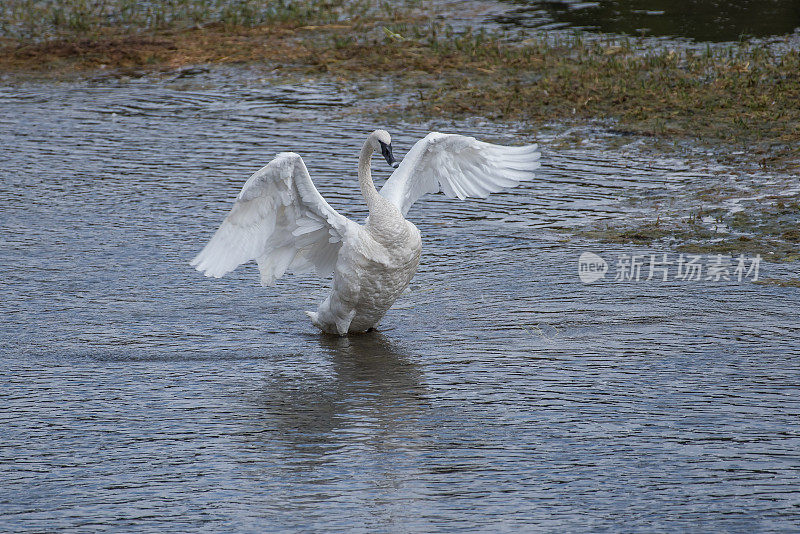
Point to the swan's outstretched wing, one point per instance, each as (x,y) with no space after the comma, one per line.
(459,166)
(280,220)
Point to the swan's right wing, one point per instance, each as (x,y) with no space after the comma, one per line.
(280,220)
(460,167)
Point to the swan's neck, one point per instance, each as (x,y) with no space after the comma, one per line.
(385,220)
(371,194)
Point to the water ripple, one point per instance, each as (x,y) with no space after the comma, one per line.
(501,395)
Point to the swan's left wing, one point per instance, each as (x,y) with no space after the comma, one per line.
(460,167)
(280,220)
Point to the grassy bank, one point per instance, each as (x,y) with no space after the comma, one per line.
(51,20)
(743,95)
(81,35)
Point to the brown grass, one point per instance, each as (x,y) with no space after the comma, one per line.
(165,50)
(742,96)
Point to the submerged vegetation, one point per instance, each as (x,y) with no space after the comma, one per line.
(743,96)
(768,225)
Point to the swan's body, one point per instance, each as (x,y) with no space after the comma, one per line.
(280,220)
(373,269)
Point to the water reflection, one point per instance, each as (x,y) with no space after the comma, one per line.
(701,20)
(362,390)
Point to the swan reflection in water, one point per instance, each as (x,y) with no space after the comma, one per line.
(358,391)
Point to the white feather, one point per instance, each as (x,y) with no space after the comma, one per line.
(280,220)
(460,167)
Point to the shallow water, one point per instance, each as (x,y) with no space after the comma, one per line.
(699,20)
(501,392)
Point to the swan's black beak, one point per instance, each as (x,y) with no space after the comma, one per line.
(386,150)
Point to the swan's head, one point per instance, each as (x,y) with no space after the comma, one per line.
(382,141)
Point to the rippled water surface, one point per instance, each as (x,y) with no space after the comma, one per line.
(500,394)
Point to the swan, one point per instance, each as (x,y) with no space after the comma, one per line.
(281,221)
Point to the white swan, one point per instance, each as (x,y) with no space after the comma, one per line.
(280,220)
